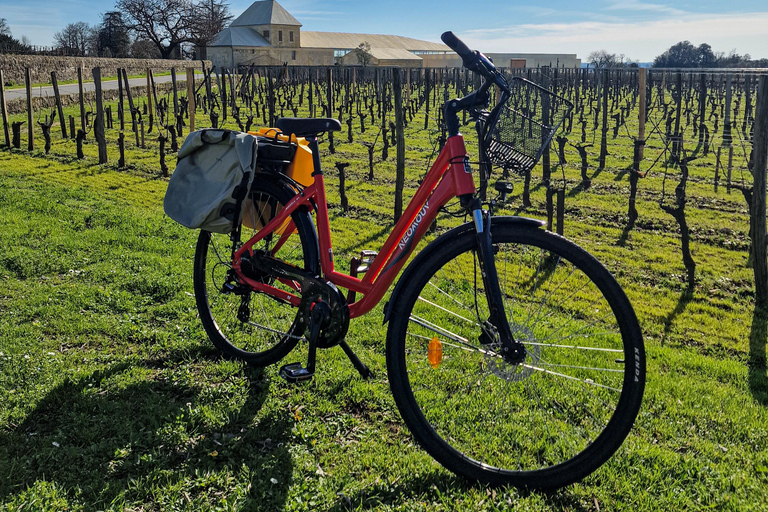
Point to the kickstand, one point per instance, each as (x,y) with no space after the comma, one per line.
(356,362)
(320,317)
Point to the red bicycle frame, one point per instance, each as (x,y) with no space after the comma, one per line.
(449,177)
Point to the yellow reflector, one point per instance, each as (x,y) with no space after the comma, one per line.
(435,352)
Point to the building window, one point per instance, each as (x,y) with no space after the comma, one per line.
(290,36)
(293,55)
(340,53)
(280,36)
(266,35)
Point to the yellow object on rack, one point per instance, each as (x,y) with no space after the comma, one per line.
(301,167)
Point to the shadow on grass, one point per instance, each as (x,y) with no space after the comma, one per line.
(758,373)
(682,302)
(622,241)
(116,435)
(362,244)
(582,186)
(438,487)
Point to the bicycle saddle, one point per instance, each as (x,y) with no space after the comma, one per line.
(307,127)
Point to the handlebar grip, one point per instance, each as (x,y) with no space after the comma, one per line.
(456,44)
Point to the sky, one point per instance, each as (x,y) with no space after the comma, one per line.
(640,30)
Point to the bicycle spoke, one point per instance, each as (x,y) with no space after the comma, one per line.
(525,416)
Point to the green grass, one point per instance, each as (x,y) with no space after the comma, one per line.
(111,397)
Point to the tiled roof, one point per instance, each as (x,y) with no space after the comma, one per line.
(343,40)
(239,36)
(383,54)
(267,12)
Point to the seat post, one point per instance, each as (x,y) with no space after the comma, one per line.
(315,148)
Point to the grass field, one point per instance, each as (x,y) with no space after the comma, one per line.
(111,397)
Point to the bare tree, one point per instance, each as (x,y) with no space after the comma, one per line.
(5,30)
(144,49)
(363,53)
(167,23)
(603,59)
(74,38)
(210,18)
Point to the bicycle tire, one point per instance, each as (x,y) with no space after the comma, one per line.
(270,330)
(543,424)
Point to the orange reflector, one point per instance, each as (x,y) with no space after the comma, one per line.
(435,352)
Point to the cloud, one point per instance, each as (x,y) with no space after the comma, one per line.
(636,5)
(641,40)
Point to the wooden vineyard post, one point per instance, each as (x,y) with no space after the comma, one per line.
(30,114)
(758,217)
(121,149)
(639,144)
(149,101)
(311,97)
(677,137)
(341,166)
(560,211)
(717,168)
(120,106)
(399,127)
(98,126)
(550,208)
(223,88)
(727,122)
(131,106)
(272,102)
(329,99)
(191,97)
(57,97)
(176,119)
(642,112)
(604,127)
(730,169)
(426,97)
(546,169)
(82,97)
(4,109)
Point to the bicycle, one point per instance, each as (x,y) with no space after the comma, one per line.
(513,355)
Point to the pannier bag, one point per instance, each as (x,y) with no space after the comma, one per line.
(213,176)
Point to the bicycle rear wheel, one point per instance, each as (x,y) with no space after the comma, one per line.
(240,322)
(544,423)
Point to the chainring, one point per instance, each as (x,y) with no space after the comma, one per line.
(315,290)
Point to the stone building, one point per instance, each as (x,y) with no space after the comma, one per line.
(268,35)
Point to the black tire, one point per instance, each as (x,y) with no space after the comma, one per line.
(543,424)
(271,330)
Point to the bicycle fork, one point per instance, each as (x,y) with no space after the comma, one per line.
(512,350)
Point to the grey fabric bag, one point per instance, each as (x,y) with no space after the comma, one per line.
(212,178)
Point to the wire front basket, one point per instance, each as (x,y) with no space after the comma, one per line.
(525,126)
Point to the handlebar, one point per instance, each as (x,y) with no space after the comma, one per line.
(475,61)
(479,63)
(457,45)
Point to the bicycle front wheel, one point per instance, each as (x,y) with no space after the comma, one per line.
(546,422)
(240,322)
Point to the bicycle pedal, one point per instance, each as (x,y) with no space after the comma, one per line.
(365,260)
(295,372)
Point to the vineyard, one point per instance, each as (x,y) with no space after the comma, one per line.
(681,141)
(651,172)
